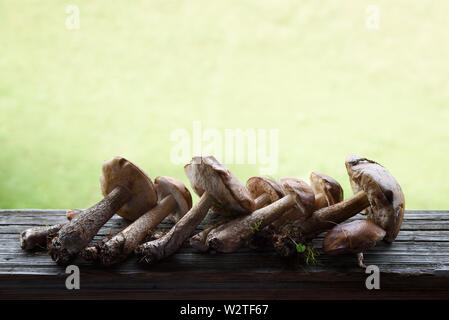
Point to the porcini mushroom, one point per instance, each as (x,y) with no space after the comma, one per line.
(263,190)
(174,200)
(327,192)
(231,236)
(375,188)
(387,204)
(353,237)
(128,191)
(214,184)
(37,237)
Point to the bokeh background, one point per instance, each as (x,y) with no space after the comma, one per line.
(137,70)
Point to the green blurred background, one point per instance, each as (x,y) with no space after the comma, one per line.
(137,70)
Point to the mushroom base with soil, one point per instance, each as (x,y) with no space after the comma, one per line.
(76,235)
(36,238)
(169,243)
(120,246)
(303,231)
(236,233)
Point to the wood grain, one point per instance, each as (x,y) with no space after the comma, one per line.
(416,266)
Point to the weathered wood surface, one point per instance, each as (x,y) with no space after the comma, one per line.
(415,266)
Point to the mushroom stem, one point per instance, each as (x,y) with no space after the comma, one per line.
(119,247)
(232,235)
(303,230)
(168,244)
(320,201)
(37,237)
(198,241)
(76,234)
(326,218)
(261,201)
(291,215)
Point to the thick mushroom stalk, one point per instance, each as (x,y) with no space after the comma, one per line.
(37,237)
(233,235)
(198,241)
(263,190)
(214,184)
(327,217)
(174,198)
(169,243)
(128,191)
(327,192)
(376,190)
(353,237)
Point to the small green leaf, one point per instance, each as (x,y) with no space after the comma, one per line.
(300,247)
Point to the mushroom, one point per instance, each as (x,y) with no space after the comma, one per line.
(263,190)
(174,188)
(387,204)
(353,237)
(174,200)
(327,192)
(231,236)
(214,184)
(37,237)
(376,189)
(127,190)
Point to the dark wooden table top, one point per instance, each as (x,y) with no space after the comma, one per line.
(416,266)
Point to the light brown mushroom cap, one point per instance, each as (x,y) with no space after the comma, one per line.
(326,186)
(352,237)
(206,173)
(384,193)
(120,172)
(302,194)
(166,186)
(261,185)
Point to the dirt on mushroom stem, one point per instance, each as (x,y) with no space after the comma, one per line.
(237,233)
(76,235)
(304,230)
(234,234)
(36,238)
(327,191)
(199,240)
(120,246)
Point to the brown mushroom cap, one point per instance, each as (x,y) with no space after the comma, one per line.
(261,185)
(120,172)
(352,237)
(206,173)
(384,193)
(326,186)
(302,194)
(166,186)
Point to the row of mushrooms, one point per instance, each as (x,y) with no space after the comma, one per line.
(284,215)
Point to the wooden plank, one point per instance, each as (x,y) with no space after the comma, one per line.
(417,264)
